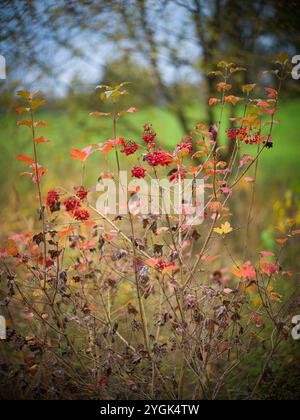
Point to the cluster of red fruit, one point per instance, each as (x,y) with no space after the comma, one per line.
(53,201)
(161,264)
(138,172)
(158,158)
(149,135)
(72,204)
(246,135)
(130,148)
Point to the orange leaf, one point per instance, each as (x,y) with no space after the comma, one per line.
(282,241)
(40,124)
(109,236)
(201,153)
(263,104)
(64,233)
(20,110)
(24,94)
(89,224)
(36,103)
(169,268)
(223,86)
(100,114)
(78,154)
(41,139)
(151,262)
(24,122)
(11,248)
(213,101)
(272,93)
(232,99)
(106,148)
(26,159)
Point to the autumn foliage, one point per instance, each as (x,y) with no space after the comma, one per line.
(146,307)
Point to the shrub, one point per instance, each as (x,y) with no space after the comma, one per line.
(146,306)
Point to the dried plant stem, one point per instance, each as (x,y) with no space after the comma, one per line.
(41,206)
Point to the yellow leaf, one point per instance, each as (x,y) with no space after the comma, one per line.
(36,103)
(282,58)
(24,94)
(169,268)
(248,88)
(232,99)
(236,69)
(224,229)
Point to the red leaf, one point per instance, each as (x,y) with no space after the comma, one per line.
(169,268)
(264,104)
(40,124)
(64,233)
(213,101)
(11,248)
(106,148)
(41,139)
(25,122)
(272,93)
(78,154)
(132,109)
(267,254)
(26,159)
(89,224)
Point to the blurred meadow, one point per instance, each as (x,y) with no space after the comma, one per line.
(279,172)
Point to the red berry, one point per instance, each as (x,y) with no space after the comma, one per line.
(53,201)
(159,158)
(81,193)
(130,148)
(81,215)
(72,204)
(138,172)
(149,135)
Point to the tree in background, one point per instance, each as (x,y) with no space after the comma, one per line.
(177,41)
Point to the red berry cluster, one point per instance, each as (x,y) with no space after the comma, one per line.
(149,135)
(138,172)
(161,264)
(71,204)
(254,139)
(130,148)
(238,133)
(53,201)
(81,215)
(158,158)
(81,193)
(245,134)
